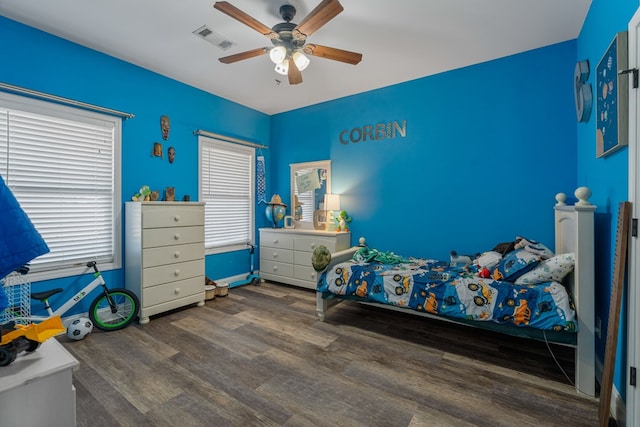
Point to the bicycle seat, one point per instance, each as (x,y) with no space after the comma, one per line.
(45,294)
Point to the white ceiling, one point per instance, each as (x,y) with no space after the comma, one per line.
(400,40)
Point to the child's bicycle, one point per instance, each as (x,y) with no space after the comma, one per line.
(113,309)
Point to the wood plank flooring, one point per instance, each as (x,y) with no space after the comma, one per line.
(260,357)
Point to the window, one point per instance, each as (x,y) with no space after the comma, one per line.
(227,176)
(62,164)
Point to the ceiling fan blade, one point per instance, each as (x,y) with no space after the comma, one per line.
(333,53)
(243,55)
(235,13)
(295,76)
(323,13)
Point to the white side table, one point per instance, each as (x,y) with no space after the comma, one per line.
(37,388)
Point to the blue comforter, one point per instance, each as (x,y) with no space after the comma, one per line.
(436,287)
(20,242)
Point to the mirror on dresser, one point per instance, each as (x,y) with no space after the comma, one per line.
(310,181)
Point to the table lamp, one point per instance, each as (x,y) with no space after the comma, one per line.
(331,204)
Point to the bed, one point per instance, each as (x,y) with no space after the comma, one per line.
(537,297)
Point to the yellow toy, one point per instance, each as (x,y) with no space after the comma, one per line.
(16,338)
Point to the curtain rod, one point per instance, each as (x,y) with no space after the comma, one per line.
(46,96)
(227,138)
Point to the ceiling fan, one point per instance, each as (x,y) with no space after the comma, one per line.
(289,39)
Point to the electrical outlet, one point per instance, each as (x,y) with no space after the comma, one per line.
(599,327)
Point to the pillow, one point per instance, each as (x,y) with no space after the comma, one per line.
(515,264)
(488,259)
(534,247)
(552,269)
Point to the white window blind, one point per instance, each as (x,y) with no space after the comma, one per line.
(59,162)
(227,176)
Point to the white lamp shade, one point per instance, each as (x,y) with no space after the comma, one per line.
(332,202)
(300,60)
(277,54)
(282,68)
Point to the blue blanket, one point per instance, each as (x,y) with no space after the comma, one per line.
(457,292)
(20,242)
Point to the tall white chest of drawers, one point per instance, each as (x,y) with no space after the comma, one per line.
(285,253)
(164,255)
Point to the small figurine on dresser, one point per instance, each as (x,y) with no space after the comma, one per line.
(343,219)
(142,195)
(169,194)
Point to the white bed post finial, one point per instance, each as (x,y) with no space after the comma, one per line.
(362,242)
(583,194)
(561,198)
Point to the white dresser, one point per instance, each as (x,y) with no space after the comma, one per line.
(285,253)
(164,255)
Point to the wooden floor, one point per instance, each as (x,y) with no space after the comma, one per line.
(260,357)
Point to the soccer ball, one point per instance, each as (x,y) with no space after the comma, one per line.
(79,328)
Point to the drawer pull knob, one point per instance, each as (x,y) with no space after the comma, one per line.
(176,218)
(176,254)
(275,241)
(176,291)
(313,245)
(176,272)
(275,268)
(275,254)
(176,236)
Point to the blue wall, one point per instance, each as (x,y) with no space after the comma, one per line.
(42,62)
(608,177)
(487,147)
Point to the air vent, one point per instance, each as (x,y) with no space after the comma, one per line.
(204,32)
(214,38)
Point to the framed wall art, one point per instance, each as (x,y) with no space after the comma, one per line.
(612,98)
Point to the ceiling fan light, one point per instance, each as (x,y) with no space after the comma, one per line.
(282,68)
(300,60)
(277,54)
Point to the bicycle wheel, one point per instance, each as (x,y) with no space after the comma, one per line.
(126,304)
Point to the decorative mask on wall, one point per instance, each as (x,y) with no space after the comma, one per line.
(171,154)
(157,150)
(165,125)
